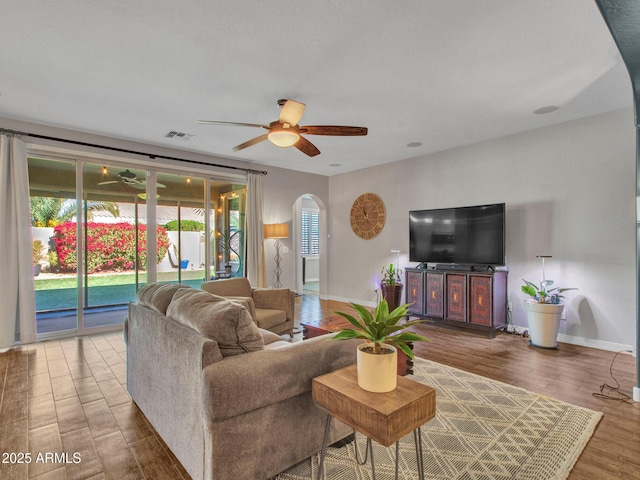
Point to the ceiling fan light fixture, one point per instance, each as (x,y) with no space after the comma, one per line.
(283,136)
(143,196)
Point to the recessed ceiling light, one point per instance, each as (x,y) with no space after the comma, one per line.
(547,109)
(414,144)
(335,164)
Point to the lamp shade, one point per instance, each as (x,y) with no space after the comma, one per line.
(276,230)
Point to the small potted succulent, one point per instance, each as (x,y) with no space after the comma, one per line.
(391,286)
(544,311)
(377,358)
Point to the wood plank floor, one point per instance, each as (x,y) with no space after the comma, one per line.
(70,396)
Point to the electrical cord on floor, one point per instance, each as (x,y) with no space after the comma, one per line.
(511,328)
(607,392)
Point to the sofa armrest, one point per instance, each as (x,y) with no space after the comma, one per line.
(247,382)
(275,298)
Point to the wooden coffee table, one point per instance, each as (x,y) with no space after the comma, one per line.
(334,324)
(383,417)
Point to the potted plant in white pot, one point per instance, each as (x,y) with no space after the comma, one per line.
(391,285)
(544,311)
(377,359)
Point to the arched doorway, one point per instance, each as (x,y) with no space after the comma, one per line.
(309,225)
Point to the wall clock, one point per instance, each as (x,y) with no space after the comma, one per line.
(367,216)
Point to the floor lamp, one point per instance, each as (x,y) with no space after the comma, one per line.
(277,231)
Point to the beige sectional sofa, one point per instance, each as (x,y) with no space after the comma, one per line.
(230,400)
(271,308)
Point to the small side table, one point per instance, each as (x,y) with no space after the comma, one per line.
(383,417)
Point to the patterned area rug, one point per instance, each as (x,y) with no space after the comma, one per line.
(483,430)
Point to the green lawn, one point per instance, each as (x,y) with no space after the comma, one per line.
(111,279)
(57,294)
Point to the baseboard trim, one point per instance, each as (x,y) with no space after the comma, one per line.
(636,394)
(349,300)
(583,342)
(599,344)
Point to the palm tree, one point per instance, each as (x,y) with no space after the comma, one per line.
(52,211)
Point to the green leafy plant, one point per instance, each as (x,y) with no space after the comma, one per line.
(391,275)
(543,294)
(381,326)
(185,226)
(229,243)
(37,252)
(53,211)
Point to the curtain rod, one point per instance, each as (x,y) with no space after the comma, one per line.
(124,150)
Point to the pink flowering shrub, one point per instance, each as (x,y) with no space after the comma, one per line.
(110,246)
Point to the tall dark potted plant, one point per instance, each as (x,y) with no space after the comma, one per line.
(391,286)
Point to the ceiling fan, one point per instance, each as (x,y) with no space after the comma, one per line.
(285,132)
(129,178)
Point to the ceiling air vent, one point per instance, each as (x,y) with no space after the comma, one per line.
(180,135)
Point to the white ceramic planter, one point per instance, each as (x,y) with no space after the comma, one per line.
(377,373)
(544,323)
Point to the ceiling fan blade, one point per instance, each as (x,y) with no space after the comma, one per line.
(251,142)
(306,147)
(336,130)
(233,124)
(292,112)
(109,182)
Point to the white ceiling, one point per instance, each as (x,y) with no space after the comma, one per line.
(443,73)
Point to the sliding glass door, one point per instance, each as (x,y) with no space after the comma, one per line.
(227,229)
(89,225)
(52,190)
(114,242)
(180,216)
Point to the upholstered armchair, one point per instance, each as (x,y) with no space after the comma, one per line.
(270,308)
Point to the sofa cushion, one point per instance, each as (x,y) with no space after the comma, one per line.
(268,318)
(246,302)
(228,323)
(158,296)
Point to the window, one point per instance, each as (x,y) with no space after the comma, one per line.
(310,233)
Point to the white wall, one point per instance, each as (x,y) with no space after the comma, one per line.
(281,191)
(569,192)
(191,248)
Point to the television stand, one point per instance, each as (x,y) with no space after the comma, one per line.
(462,298)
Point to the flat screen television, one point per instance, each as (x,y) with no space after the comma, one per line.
(464,235)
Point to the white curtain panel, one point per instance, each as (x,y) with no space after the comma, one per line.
(255,239)
(17,295)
